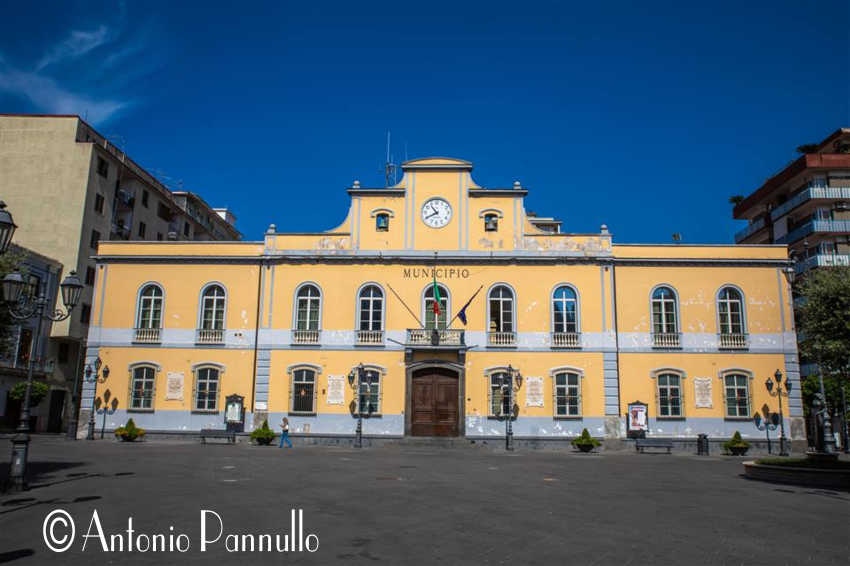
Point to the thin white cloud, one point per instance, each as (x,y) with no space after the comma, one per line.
(76,45)
(48,95)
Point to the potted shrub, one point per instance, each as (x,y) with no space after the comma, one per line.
(736,445)
(129,432)
(263,435)
(585,442)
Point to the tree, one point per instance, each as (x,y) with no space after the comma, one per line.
(824,320)
(736,200)
(8,263)
(38,392)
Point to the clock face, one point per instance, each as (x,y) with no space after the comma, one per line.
(436,213)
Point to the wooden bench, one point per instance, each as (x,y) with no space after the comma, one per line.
(642,444)
(217,433)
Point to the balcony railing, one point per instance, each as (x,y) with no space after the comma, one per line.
(432,337)
(822,260)
(814,226)
(838,193)
(501,338)
(566,340)
(119,233)
(735,341)
(751,229)
(666,340)
(370,336)
(305,336)
(209,336)
(147,335)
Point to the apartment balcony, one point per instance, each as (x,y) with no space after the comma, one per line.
(753,227)
(822,260)
(433,337)
(566,340)
(672,340)
(147,335)
(124,199)
(501,339)
(119,233)
(369,337)
(209,336)
(839,226)
(812,193)
(305,336)
(734,341)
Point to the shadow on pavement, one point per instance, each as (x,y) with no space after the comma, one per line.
(15,554)
(39,474)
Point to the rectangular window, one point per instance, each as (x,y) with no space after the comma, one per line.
(62,353)
(206,390)
(163,212)
(141,392)
(186,229)
(24,347)
(85,313)
(33,287)
(89,275)
(98,204)
(144,198)
(369,400)
(737,396)
(567,395)
(102,167)
(142,228)
(303,390)
(95,238)
(382,222)
(669,395)
(159,236)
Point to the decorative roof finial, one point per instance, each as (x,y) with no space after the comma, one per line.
(271,229)
(517,185)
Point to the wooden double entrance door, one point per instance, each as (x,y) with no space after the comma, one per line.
(435,403)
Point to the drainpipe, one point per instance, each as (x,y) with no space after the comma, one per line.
(256,334)
(616,331)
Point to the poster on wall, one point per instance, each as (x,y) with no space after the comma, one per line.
(174,386)
(336,390)
(534,392)
(637,420)
(702,393)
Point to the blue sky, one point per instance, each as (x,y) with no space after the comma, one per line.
(644,116)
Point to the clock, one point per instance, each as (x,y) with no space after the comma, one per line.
(436,212)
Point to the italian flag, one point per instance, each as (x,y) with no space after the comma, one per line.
(437,297)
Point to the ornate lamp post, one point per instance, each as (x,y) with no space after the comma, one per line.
(510,383)
(783,447)
(362,403)
(23,307)
(94,377)
(7,228)
(770,422)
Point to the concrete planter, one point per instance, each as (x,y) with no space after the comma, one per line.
(810,477)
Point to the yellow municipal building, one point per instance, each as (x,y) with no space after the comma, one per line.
(591,331)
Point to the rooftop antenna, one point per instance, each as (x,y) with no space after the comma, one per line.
(390,168)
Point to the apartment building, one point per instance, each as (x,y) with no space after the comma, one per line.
(70,188)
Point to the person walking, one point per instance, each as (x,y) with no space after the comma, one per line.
(284,435)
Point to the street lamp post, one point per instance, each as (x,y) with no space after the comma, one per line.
(357,378)
(23,307)
(94,377)
(783,447)
(769,423)
(510,383)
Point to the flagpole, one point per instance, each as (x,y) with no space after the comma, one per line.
(405,306)
(464,306)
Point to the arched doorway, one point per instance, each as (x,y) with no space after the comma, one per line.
(435,402)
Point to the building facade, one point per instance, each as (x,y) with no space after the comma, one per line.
(592,327)
(69,188)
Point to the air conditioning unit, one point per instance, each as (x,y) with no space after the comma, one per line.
(842,205)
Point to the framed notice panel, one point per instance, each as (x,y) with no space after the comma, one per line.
(637,420)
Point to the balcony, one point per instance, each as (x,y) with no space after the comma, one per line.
(735,341)
(566,340)
(432,337)
(147,335)
(822,260)
(751,229)
(501,339)
(119,232)
(209,336)
(369,337)
(814,226)
(305,336)
(670,340)
(124,199)
(826,193)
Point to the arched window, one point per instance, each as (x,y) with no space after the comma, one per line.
(491,223)
(150,307)
(303,390)
(432,318)
(665,319)
(730,311)
(142,387)
(499,398)
(500,305)
(308,303)
(567,390)
(371,309)
(382,222)
(669,395)
(207,388)
(737,395)
(564,310)
(212,308)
